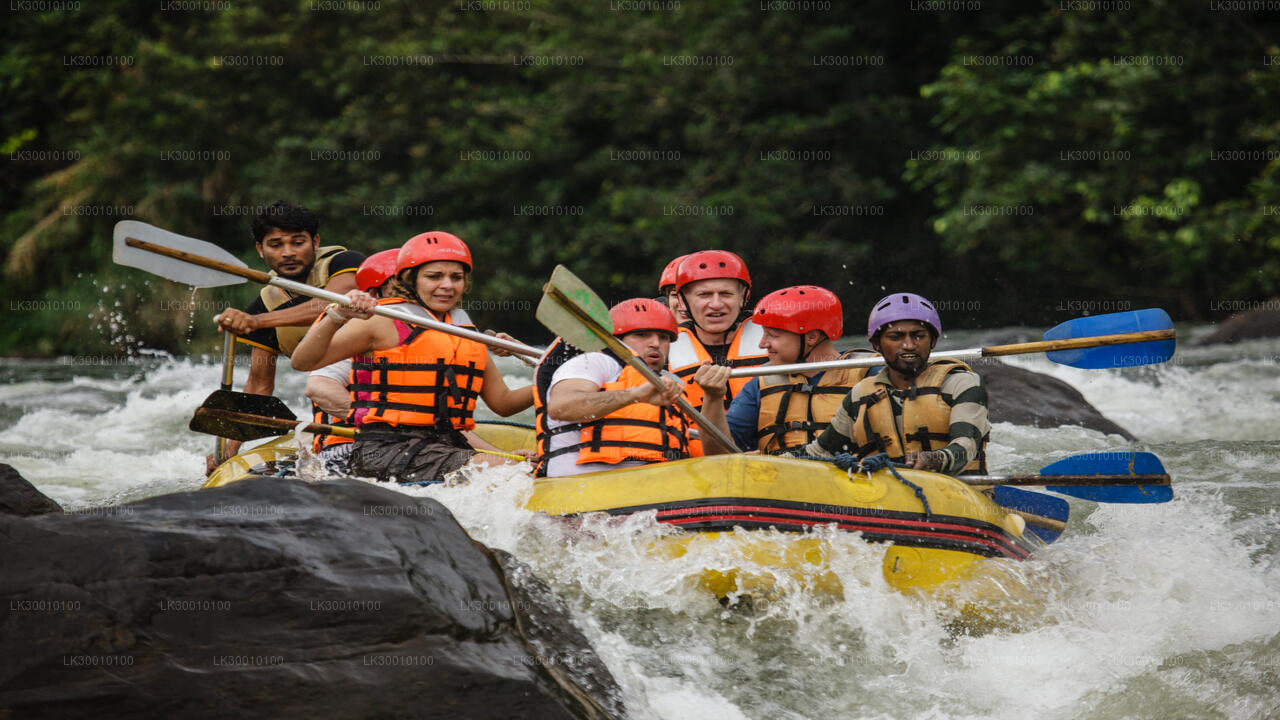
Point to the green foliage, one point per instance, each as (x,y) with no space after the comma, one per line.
(846,147)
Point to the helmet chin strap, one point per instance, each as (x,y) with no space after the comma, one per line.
(804,353)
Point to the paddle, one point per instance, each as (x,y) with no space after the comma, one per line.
(220,453)
(1142,478)
(572,310)
(1046,515)
(221,405)
(1128,339)
(202,264)
(245,426)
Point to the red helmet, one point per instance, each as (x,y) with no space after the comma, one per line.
(711,265)
(800,309)
(432,246)
(642,314)
(668,278)
(376,269)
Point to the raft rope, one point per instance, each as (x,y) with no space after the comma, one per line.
(869,464)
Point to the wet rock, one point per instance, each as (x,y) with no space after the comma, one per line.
(274,597)
(21,498)
(1263,322)
(1024,397)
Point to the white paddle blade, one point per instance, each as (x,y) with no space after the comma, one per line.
(167,267)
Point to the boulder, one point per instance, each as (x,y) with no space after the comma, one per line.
(274,597)
(1024,397)
(1260,322)
(21,498)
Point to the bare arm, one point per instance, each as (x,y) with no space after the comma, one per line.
(262,372)
(304,314)
(501,399)
(327,342)
(578,400)
(329,394)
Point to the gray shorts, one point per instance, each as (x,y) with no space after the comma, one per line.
(418,455)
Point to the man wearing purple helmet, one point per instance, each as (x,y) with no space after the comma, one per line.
(929,415)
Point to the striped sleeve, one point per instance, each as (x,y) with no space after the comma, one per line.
(967,395)
(838,436)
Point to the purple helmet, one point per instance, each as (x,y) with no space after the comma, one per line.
(902,306)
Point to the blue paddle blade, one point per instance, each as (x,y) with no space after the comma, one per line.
(1035,503)
(1111,463)
(1114,356)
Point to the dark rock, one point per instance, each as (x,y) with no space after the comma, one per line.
(1024,397)
(21,498)
(1263,322)
(273,597)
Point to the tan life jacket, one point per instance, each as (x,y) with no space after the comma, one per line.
(288,336)
(926,417)
(793,412)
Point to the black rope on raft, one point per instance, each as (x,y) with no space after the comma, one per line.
(869,464)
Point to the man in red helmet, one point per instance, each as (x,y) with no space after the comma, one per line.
(603,414)
(667,289)
(328,388)
(287,238)
(780,413)
(714,287)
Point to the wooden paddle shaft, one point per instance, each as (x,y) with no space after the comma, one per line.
(1078,343)
(283,423)
(311,291)
(1048,480)
(220,453)
(968,354)
(1038,520)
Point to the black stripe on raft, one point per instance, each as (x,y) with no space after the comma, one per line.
(946,532)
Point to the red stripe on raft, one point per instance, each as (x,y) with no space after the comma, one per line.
(990,538)
(768,509)
(996,546)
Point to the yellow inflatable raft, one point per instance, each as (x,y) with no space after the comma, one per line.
(939,529)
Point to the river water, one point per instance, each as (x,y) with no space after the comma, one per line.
(1140,611)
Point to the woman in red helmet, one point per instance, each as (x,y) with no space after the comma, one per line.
(602,414)
(415,388)
(777,413)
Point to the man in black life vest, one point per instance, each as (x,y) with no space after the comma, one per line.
(931,415)
(287,238)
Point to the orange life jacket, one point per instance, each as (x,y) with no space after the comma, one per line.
(639,431)
(688,353)
(324,418)
(431,379)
